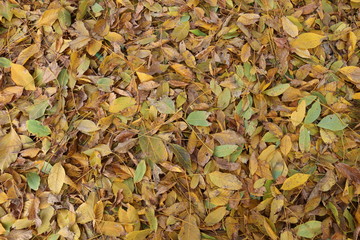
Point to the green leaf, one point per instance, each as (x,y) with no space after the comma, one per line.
(104,84)
(197,32)
(181,31)
(304,139)
(64,18)
(313,113)
(277,90)
(332,122)
(153,148)
(140,171)
(97,8)
(33,180)
(36,127)
(63,77)
(150,216)
(309,229)
(165,105)
(224,98)
(181,155)
(224,150)
(37,110)
(121,103)
(53,237)
(4,62)
(198,118)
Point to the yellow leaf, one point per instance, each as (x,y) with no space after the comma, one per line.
(307,41)
(215,216)
(352,72)
(27,53)
(86,126)
(286,235)
(183,71)
(138,235)
(21,76)
(285,145)
(245,52)
(267,153)
(56,178)
(114,37)
(289,27)
(93,47)
(10,146)
(248,18)
(298,116)
(327,136)
(295,181)
(2,229)
(189,59)
(144,77)
(189,229)
(85,213)
(356,96)
(352,43)
(109,228)
(48,17)
(3,197)
(225,180)
(269,230)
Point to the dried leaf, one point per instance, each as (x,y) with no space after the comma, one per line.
(295,181)
(181,31)
(10,146)
(225,180)
(189,229)
(22,77)
(56,178)
(307,41)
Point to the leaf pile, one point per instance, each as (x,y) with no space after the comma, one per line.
(173,119)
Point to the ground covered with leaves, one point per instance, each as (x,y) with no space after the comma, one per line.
(174,119)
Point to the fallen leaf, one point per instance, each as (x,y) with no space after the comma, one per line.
(225,180)
(10,146)
(189,229)
(56,178)
(295,181)
(307,40)
(21,76)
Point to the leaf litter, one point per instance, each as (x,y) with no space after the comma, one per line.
(216,119)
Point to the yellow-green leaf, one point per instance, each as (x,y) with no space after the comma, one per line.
(140,171)
(153,148)
(121,103)
(215,216)
(181,31)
